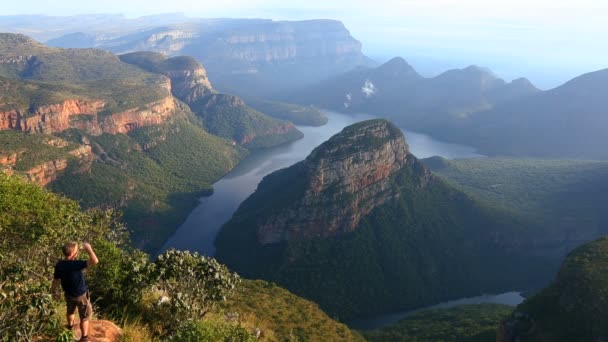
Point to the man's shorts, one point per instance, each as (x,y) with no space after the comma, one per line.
(82,303)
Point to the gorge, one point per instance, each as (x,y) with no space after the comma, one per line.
(198,232)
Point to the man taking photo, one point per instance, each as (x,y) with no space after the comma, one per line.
(69,273)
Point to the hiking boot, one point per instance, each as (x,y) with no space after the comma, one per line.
(85,339)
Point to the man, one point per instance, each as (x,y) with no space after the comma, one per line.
(69,272)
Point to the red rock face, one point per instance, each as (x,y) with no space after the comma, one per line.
(156,113)
(45,173)
(49,118)
(61,116)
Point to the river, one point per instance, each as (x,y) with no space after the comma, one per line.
(381,321)
(198,232)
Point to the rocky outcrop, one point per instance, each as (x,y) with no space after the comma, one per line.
(100,331)
(190,85)
(85,115)
(283,41)
(345,179)
(47,172)
(48,118)
(153,114)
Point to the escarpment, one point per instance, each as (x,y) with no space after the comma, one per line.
(86,115)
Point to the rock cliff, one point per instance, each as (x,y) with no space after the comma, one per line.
(248,56)
(225,115)
(85,115)
(345,179)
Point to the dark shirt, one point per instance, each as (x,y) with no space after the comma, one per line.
(72,278)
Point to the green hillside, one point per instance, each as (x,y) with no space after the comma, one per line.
(574,308)
(299,115)
(157,185)
(564,198)
(126,286)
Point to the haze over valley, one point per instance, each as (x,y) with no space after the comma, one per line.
(264,171)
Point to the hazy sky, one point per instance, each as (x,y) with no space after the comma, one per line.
(570,35)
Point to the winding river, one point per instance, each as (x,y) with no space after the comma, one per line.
(198,232)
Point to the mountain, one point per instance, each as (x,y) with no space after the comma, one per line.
(566,122)
(224,115)
(248,57)
(112,134)
(396,91)
(573,308)
(362,227)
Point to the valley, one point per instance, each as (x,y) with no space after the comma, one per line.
(252,179)
(199,230)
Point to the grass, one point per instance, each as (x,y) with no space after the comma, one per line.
(282,316)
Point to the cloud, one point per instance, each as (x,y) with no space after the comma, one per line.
(368,88)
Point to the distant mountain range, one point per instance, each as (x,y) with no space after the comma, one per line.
(248,57)
(473,106)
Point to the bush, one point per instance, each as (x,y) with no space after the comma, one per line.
(190,285)
(212,331)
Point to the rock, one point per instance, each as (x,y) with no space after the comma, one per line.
(61,116)
(345,179)
(100,331)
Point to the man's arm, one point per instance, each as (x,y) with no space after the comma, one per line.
(92,257)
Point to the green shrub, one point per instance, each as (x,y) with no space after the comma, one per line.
(191,285)
(212,331)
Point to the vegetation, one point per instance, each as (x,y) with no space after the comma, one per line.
(574,307)
(282,316)
(53,75)
(232,119)
(154,300)
(151,175)
(299,115)
(466,323)
(33,150)
(563,196)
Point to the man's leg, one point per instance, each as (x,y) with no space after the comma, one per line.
(70,312)
(84,327)
(70,321)
(85,312)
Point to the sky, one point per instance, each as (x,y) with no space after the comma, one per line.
(552,37)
